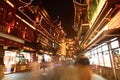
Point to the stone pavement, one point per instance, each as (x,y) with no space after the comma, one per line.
(25,76)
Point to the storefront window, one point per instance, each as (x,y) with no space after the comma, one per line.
(9,60)
(114,44)
(23,58)
(101,63)
(99,49)
(105,47)
(20,59)
(92,52)
(116,56)
(87,53)
(107,59)
(96,59)
(26,55)
(47,58)
(9,57)
(92,58)
(40,58)
(95,50)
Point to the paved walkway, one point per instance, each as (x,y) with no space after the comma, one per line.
(25,76)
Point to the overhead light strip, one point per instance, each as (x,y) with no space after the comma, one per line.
(8,2)
(26,22)
(11,38)
(105,28)
(98,26)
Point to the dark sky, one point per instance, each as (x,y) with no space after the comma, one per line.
(65,10)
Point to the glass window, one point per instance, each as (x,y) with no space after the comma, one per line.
(92,52)
(105,47)
(107,59)
(91,59)
(95,51)
(87,53)
(101,63)
(9,57)
(114,44)
(96,59)
(99,49)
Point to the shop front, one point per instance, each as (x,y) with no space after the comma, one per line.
(106,56)
(9,61)
(16,61)
(22,61)
(104,50)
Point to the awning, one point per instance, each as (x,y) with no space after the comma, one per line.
(106,35)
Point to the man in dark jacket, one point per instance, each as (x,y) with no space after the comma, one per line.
(85,70)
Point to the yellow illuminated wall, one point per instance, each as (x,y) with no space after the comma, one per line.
(63,48)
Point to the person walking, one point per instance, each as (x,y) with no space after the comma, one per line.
(35,69)
(43,65)
(84,69)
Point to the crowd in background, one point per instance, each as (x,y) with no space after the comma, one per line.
(78,69)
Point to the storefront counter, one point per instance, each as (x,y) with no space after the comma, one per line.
(22,67)
(1,71)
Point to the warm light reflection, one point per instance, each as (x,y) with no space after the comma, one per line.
(8,28)
(114,23)
(105,28)
(7,1)
(46,52)
(24,33)
(26,22)
(28,48)
(41,51)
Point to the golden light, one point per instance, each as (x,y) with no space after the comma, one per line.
(7,1)
(46,52)
(37,19)
(100,32)
(50,53)
(71,48)
(26,22)
(41,51)
(8,28)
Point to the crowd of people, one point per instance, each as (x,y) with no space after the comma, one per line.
(80,69)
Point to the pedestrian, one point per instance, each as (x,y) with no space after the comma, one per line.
(35,69)
(43,65)
(84,69)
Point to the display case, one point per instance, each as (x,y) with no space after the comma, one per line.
(22,62)
(116,57)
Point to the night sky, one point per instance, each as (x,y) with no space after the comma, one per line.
(65,10)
